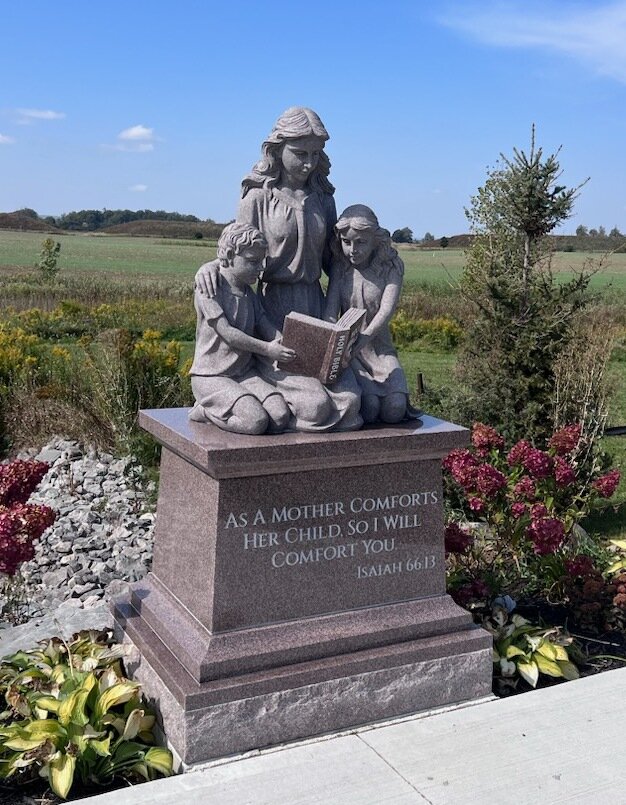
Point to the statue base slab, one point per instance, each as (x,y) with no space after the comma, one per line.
(298,586)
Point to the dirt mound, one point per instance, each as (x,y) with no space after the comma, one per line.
(17,220)
(167,229)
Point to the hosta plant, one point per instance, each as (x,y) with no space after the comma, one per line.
(526,650)
(71,715)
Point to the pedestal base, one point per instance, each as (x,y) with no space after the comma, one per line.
(298,586)
(400,679)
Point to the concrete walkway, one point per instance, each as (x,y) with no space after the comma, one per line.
(563,744)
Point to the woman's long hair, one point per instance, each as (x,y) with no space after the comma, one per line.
(296,122)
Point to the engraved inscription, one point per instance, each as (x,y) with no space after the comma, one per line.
(310,534)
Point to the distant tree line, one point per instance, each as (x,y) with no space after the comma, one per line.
(600,232)
(92,220)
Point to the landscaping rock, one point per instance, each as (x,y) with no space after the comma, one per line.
(102,537)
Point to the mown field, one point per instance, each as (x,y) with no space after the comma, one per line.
(180,258)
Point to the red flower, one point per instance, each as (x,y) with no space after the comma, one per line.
(476,504)
(489,481)
(518,510)
(456,539)
(607,484)
(538,510)
(564,473)
(518,452)
(485,438)
(19,479)
(525,488)
(579,566)
(546,535)
(462,465)
(475,590)
(19,527)
(537,463)
(565,440)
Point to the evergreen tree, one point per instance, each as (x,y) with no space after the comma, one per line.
(524,318)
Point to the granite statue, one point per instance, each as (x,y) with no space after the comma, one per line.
(233,377)
(367,273)
(288,197)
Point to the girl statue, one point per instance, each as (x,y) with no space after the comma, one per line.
(367,273)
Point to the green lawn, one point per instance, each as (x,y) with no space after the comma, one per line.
(157,256)
(110,253)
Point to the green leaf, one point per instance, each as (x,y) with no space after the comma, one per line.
(529,671)
(62,774)
(23,744)
(618,565)
(514,651)
(547,650)
(620,543)
(117,694)
(48,727)
(159,759)
(142,769)
(568,669)
(546,666)
(133,725)
(48,703)
(561,653)
(102,748)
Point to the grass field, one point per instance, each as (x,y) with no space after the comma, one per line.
(181,258)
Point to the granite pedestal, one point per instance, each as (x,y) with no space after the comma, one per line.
(298,585)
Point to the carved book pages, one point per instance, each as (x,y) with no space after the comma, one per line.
(322,348)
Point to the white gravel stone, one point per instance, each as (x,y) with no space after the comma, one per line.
(102,537)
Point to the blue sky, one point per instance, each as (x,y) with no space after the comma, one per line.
(164,105)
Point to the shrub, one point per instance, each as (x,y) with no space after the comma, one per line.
(72,715)
(442,333)
(48,259)
(526,505)
(524,318)
(21,524)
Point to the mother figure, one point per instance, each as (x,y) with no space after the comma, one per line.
(288,197)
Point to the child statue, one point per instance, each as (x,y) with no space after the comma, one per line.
(367,273)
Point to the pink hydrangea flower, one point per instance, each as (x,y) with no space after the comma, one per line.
(518,452)
(546,535)
(489,481)
(476,505)
(564,473)
(607,484)
(462,465)
(475,590)
(525,488)
(518,510)
(565,440)
(485,439)
(537,463)
(579,566)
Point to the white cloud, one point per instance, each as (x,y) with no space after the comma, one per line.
(593,34)
(138,188)
(27,116)
(138,132)
(137,138)
(6,140)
